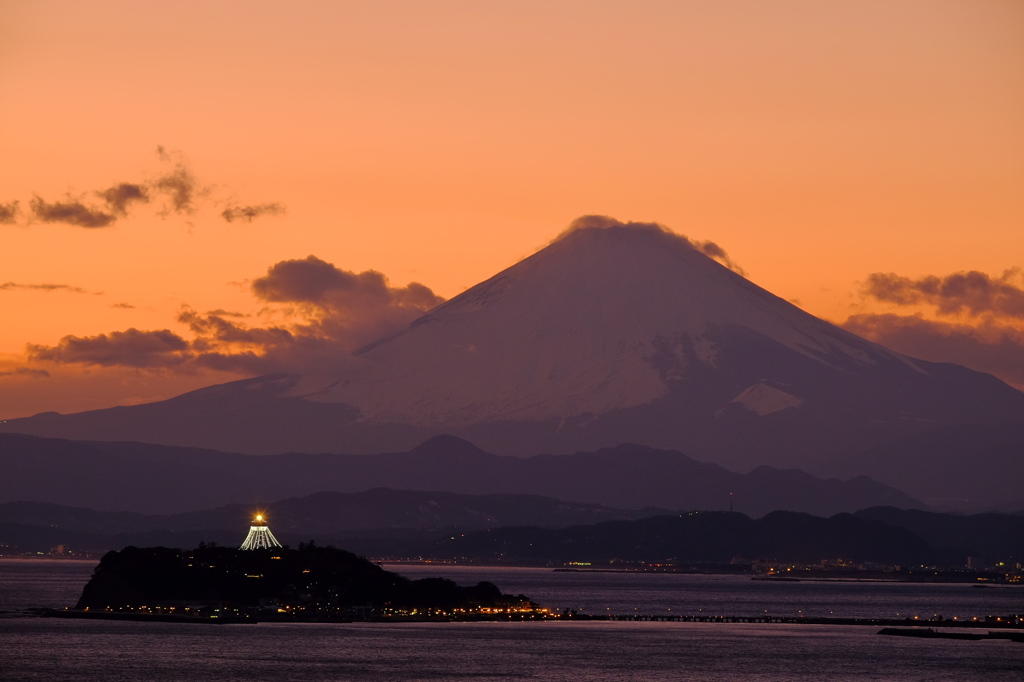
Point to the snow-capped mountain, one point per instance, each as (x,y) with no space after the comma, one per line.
(601,320)
(608,335)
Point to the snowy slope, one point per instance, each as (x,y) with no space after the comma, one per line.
(574,330)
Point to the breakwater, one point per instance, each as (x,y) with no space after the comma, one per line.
(1011,621)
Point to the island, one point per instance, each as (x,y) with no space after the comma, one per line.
(311,583)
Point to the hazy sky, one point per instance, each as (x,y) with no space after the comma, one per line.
(853,157)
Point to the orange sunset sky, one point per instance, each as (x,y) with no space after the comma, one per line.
(168,168)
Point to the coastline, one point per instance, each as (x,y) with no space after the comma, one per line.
(1014,624)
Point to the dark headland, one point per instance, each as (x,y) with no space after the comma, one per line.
(310,583)
(212,584)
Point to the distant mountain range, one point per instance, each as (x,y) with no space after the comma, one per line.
(327,513)
(532,529)
(986,536)
(163,479)
(700,537)
(881,535)
(608,336)
(380,521)
(967,468)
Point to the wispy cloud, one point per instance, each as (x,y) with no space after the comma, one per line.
(250,213)
(226,313)
(7,286)
(9,213)
(716,252)
(119,197)
(603,222)
(175,188)
(29,372)
(179,186)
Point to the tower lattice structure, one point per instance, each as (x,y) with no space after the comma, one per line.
(259,536)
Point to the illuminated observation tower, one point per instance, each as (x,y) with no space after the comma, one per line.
(259,536)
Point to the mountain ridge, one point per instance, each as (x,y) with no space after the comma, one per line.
(118,476)
(620,334)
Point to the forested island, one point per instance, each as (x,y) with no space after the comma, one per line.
(308,583)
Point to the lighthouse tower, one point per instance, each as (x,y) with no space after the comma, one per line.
(259,536)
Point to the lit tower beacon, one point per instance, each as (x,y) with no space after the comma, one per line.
(259,536)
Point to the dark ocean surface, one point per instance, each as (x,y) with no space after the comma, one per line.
(53,649)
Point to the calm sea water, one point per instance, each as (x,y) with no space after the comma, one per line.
(666,593)
(48,649)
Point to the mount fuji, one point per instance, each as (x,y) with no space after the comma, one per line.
(620,333)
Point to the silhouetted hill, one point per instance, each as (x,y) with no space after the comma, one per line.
(165,479)
(311,582)
(968,468)
(388,523)
(699,537)
(996,537)
(321,515)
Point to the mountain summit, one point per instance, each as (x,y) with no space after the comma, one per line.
(620,333)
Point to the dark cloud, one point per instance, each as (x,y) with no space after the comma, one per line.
(74,211)
(989,347)
(9,213)
(71,211)
(249,213)
(224,345)
(326,313)
(603,222)
(245,362)
(130,348)
(126,306)
(214,331)
(331,311)
(347,307)
(312,280)
(29,372)
(121,195)
(43,287)
(987,336)
(973,293)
